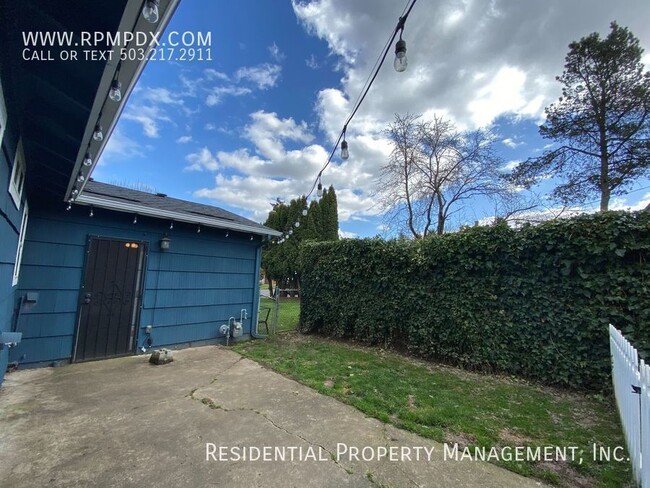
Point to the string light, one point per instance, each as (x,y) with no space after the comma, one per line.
(171,225)
(371,79)
(115,93)
(98,134)
(227,233)
(198,229)
(92,213)
(135,219)
(401,62)
(88,160)
(81,178)
(345,154)
(150,11)
(400,52)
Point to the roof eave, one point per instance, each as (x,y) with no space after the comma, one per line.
(130,71)
(145,211)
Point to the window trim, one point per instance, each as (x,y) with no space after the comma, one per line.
(16,192)
(21,245)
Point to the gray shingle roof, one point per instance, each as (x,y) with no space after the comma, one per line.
(159,201)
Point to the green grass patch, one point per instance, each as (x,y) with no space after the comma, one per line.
(451,405)
(288,313)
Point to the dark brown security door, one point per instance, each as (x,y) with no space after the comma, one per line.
(110,299)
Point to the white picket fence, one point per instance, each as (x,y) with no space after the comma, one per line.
(629,374)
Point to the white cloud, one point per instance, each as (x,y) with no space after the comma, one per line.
(120,147)
(264,76)
(510,165)
(476,60)
(273,170)
(511,143)
(218,93)
(148,116)
(275,52)
(161,95)
(347,235)
(201,160)
(184,139)
(470,61)
(625,203)
(213,74)
(311,62)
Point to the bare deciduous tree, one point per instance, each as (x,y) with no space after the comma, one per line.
(434,169)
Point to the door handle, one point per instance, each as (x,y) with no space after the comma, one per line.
(87,298)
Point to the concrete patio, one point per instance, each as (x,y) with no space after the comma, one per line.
(124,422)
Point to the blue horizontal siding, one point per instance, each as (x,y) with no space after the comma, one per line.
(165,299)
(43,350)
(191,315)
(189,291)
(50,277)
(35,325)
(10,220)
(196,281)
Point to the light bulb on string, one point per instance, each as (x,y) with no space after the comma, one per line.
(115,92)
(98,134)
(401,62)
(150,11)
(345,154)
(88,159)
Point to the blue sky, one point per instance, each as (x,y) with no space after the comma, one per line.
(258,121)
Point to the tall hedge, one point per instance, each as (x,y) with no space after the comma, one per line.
(533,302)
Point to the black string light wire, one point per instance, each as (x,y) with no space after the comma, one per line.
(401,46)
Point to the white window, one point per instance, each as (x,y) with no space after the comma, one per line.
(21,243)
(17,180)
(3,115)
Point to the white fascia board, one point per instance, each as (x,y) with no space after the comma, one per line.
(99,202)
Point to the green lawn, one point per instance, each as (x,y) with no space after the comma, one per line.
(288,313)
(451,405)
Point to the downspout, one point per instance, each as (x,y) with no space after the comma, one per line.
(256,294)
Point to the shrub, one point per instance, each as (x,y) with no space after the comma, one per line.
(533,302)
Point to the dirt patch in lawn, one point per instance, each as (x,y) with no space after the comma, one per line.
(512,437)
(568,475)
(463,440)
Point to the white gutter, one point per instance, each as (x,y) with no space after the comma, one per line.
(145,211)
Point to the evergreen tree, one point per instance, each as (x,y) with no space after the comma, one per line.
(601,123)
(280,261)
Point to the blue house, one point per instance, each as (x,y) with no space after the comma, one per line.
(90,270)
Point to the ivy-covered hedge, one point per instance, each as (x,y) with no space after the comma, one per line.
(533,302)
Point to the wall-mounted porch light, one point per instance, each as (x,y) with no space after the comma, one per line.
(165,243)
